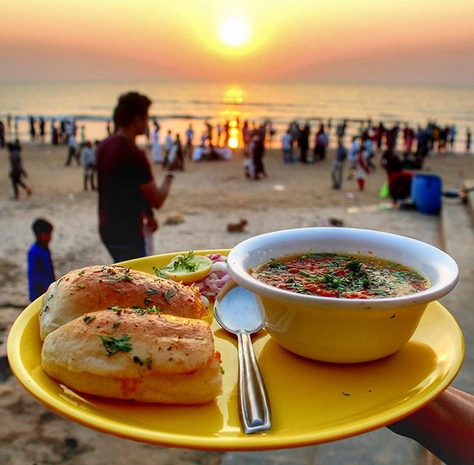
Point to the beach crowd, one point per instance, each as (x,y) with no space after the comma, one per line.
(358,142)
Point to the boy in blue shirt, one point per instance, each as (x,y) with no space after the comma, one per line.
(40,265)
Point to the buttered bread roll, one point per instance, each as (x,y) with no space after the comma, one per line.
(135,354)
(100,287)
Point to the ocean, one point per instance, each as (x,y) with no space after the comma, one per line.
(176,104)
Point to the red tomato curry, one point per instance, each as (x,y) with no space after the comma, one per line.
(340,275)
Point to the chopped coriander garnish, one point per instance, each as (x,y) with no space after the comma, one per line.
(160,273)
(89,318)
(153,309)
(113,345)
(115,308)
(169,293)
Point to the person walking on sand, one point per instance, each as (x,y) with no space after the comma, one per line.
(176,157)
(338,165)
(468,140)
(17,173)
(353,157)
(32,122)
(303,141)
(88,164)
(189,142)
(320,143)
(83,135)
(72,150)
(156,147)
(16,122)
(168,147)
(287,147)
(42,128)
(127,189)
(257,150)
(362,166)
(2,135)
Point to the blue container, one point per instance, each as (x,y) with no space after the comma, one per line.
(426,192)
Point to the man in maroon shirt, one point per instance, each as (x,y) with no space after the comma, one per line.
(127,189)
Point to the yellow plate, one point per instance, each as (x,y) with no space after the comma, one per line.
(311,402)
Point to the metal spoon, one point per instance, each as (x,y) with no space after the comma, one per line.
(240,312)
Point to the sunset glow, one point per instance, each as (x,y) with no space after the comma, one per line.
(425,40)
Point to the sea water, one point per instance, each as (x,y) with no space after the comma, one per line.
(176,104)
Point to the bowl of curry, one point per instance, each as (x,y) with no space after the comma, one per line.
(342,295)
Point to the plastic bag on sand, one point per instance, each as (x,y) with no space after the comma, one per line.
(384,191)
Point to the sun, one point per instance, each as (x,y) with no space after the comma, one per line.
(234,32)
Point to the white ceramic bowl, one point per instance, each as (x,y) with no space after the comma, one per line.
(337,329)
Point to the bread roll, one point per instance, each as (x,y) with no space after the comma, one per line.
(99,287)
(135,355)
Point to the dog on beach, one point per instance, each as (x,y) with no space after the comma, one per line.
(175,218)
(237,227)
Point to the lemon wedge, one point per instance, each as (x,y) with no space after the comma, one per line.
(188,268)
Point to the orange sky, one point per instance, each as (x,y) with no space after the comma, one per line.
(365,40)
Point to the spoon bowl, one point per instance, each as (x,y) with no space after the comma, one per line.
(240,312)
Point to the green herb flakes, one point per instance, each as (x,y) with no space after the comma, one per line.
(168,294)
(113,345)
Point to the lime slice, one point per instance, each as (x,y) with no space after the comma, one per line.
(188,268)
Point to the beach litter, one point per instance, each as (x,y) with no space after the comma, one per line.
(332,222)
(384,206)
(352,210)
(350,195)
(279,187)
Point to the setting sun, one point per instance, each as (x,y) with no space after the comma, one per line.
(234,32)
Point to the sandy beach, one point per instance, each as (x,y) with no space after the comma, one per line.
(208,196)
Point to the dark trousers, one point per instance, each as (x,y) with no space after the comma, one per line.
(129,251)
(72,154)
(16,181)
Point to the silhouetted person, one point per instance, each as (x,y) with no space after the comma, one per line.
(127,189)
(17,172)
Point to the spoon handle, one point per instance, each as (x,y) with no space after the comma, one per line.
(254,406)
